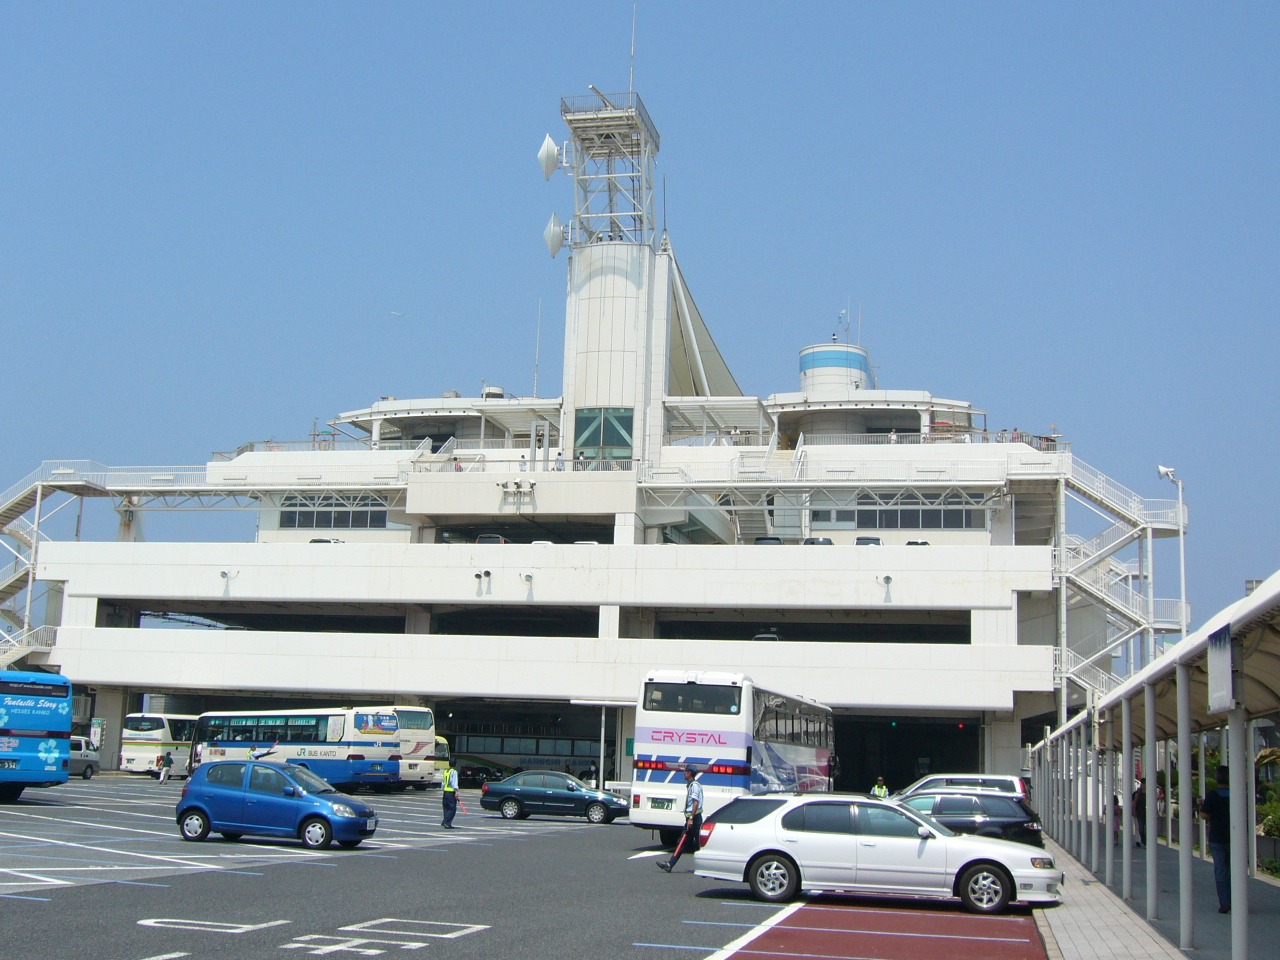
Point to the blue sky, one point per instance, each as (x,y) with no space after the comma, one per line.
(1068,214)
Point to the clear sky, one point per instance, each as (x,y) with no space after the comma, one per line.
(211,215)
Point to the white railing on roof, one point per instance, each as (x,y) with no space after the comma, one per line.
(762,468)
(1067,663)
(721,440)
(35,637)
(480,463)
(1043,444)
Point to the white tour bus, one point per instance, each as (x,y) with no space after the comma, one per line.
(350,747)
(417,747)
(147,736)
(740,738)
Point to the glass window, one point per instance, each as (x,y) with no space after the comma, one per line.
(442,750)
(324,519)
(309,781)
(360,519)
(341,519)
(957,807)
(266,780)
(827,817)
(306,519)
(1002,807)
(868,519)
(953,519)
(888,519)
(377,519)
(692,698)
(272,729)
(288,519)
(416,719)
(909,519)
(556,781)
(603,433)
(743,810)
(143,724)
(975,519)
(305,730)
(846,516)
(930,519)
(885,822)
(532,780)
(226,775)
(923,804)
(182,730)
(242,728)
(586,748)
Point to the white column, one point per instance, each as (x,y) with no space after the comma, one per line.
(1151,597)
(1109,805)
(610,616)
(1168,792)
(1126,807)
(1185,805)
(1078,791)
(1251,775)
(1201,824)
(1152,812)
(1241,834)
(1091,778)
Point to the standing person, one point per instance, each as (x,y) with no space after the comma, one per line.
(880,791)
(692,819)
(560,462)
(1216,808)
(449,794)
(166,766)
(1140,812)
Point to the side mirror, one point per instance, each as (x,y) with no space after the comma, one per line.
(925,833)
(291,792)
(573,787)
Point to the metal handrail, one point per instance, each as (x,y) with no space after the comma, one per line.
(1043,444)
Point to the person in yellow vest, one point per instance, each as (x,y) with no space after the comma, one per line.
(449,794)
(880,791)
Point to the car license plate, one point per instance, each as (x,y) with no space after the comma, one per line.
(660,803)
(8,764)
(371,825)
(376,766)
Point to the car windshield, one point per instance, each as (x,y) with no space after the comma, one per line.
(309,781)
(928,821)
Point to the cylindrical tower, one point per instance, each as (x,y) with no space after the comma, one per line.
(834,369)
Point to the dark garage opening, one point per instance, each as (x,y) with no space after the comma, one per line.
(903,749)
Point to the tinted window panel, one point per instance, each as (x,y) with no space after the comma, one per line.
(884,822)
(266,780)
(828,818)
(692,698)
(956,806)
(923,804)
(931,519)
(909,519)
(793,819)
(868,519)
(556,781)
(745,811)
(227,775)
(533,780)
(1003,807)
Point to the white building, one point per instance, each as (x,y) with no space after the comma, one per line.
(633,504)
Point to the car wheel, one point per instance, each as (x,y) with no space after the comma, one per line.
(773,878)
(233,837)
(420,787)
(669,836)
(985,888)
(9,793)
(87,772)
(598,813)
(316,833)
(349,844)
(194,825)
(511,809)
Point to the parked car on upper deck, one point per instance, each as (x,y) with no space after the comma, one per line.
(982,813)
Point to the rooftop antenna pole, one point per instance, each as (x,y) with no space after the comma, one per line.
(859,323)
(848,316)
(537,349)
(631,86)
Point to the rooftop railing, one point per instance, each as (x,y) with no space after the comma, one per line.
(294,446)
(1043,444)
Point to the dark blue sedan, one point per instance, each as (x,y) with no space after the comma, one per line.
(235,798)
(558,794)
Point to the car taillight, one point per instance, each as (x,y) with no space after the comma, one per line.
(1034,826)
(355,756)
(706,834)
(484,787)
(635,801)
(185,787)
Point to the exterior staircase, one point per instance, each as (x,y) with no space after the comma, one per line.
(35,640)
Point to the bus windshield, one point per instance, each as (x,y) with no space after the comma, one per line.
(143,724)
(692,698)
(415,719)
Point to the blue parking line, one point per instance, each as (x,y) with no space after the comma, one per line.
(132,883)
(14,896)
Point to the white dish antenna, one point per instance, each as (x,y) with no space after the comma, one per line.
(554,234)
(549,156)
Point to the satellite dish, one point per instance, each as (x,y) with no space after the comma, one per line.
(554,235)
(549,156)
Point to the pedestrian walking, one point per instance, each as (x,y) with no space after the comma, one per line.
(166,766)
(449,794)
(692,819)
(1140,812)
(880,791)
(1216,808)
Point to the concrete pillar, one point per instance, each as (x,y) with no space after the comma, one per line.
(1091,777)
(609,620)
(1122,794)
(1203,826)
(627,528)
(1251,778)
(112,705)
(1109,807)
(1242,833)
(1152,811)
(130,529)
(1185,808)
(417,618)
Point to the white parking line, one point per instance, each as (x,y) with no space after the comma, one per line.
(84,823)
(84,846)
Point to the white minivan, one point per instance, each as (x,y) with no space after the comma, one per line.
(84,758)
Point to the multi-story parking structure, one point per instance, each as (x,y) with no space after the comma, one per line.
(640,510)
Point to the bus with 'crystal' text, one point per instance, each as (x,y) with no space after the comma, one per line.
(739,738)
(417,747)
(350,747)
(35,731)
(147,736)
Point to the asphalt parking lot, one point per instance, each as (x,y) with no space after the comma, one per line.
(96,870)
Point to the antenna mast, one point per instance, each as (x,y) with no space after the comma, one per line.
(631,84)
(537,350)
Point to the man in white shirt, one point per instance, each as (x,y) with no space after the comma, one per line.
(693,804)
(449,794)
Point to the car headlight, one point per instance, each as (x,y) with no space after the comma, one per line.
(342,810)
(1042,863)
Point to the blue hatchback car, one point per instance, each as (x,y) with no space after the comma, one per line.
(235,798)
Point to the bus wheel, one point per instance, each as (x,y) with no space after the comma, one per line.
(316,833)
(669,836)
(598,813)
(420,787)
(194,825)
(9,793)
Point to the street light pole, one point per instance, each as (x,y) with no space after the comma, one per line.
(1170,474)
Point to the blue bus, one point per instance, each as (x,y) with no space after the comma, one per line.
(35,731)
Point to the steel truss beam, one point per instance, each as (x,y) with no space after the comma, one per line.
(250,498)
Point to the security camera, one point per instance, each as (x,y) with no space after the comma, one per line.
(477,576)
(528,578)
(224,575)
(488,574)
(886,580)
